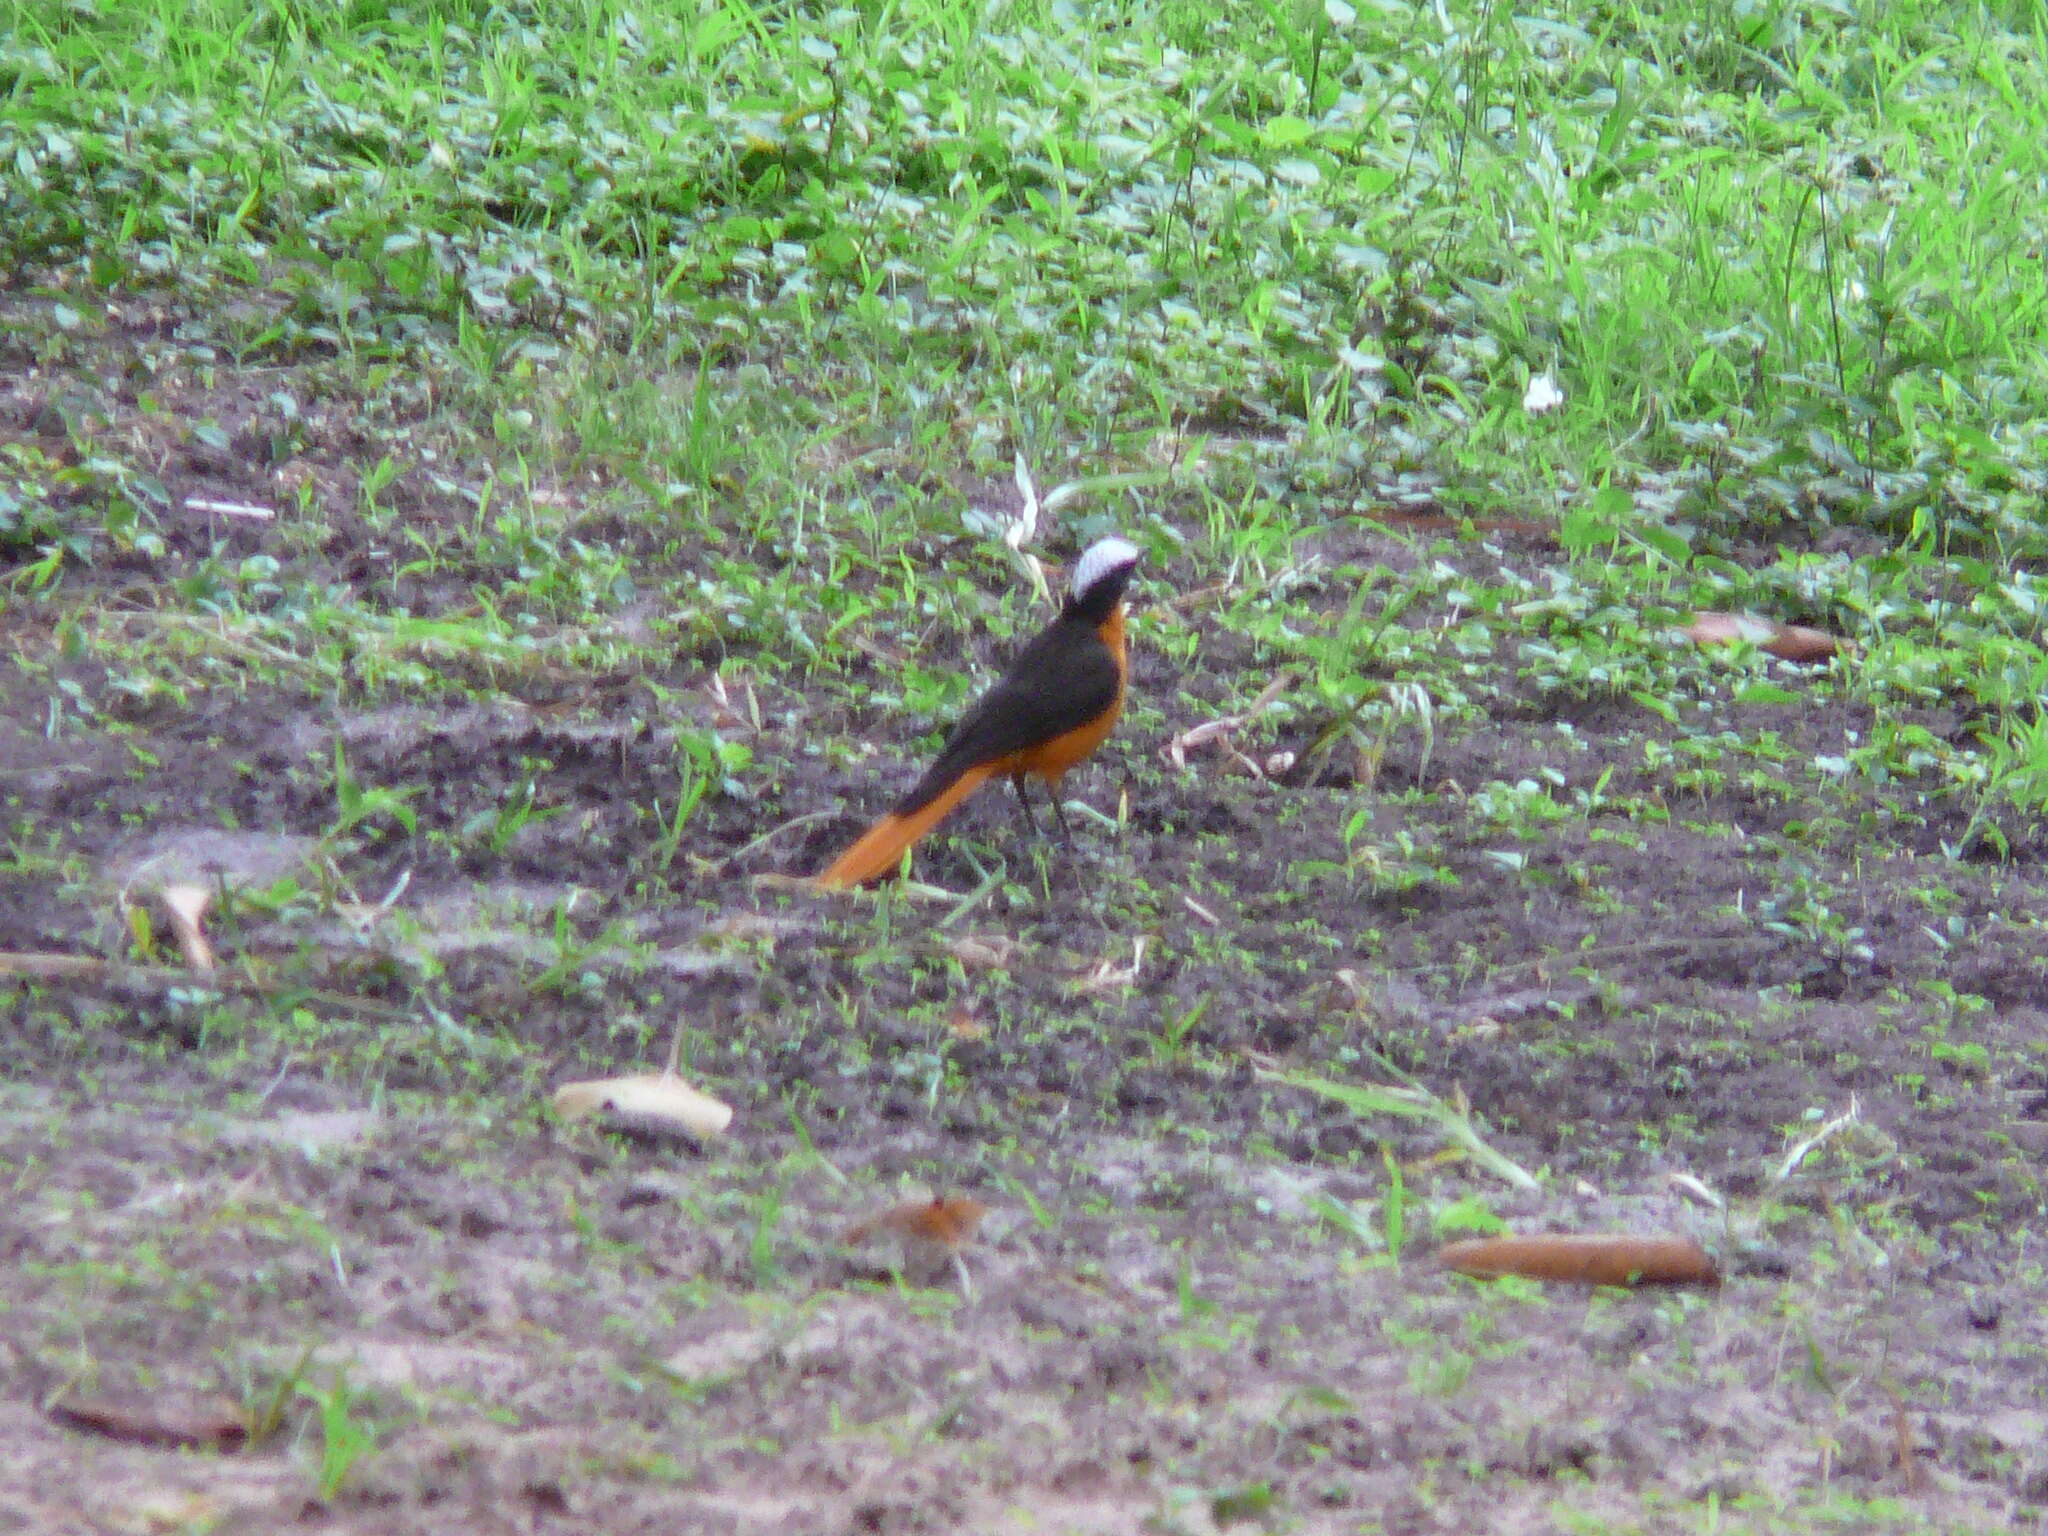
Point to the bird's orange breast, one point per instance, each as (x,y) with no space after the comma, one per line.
(1050,759)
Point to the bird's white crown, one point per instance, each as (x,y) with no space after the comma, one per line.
(1099,559)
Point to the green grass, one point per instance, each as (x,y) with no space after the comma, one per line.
(1764,252)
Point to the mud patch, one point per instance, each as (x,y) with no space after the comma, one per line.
(1187,1310)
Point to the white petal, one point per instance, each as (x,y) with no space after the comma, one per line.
(1542,395)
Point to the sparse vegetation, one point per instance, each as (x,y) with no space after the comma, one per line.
(479,484)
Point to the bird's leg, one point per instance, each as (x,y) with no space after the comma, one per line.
(1024,802)
(1059,814)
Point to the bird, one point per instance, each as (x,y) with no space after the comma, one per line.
(1057,703)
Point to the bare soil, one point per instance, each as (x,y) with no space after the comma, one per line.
(340,1145)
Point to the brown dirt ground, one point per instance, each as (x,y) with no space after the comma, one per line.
(344,1150)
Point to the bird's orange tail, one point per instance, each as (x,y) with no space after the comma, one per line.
(880,848)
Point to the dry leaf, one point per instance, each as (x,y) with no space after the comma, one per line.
(1107,975)
(989,953)
(1584,1260)
(1788,642)
(1695,1190)
(1223,727)
(231,508)
(156,1418)
(726,714)
(651,1101)
(934,1225)
(186,905)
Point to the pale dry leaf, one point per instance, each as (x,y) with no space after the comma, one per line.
(1832,1128)
(648,1101)
(1695,1190)
(725,714)
(1107,975)
(1024,527)
(1178,747)
(1726,629)
(1034,568)
(989,953)
(1223,727)
(186,905)
(231,508)
(1481,1026)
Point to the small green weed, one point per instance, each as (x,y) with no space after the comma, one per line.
(347,1436)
